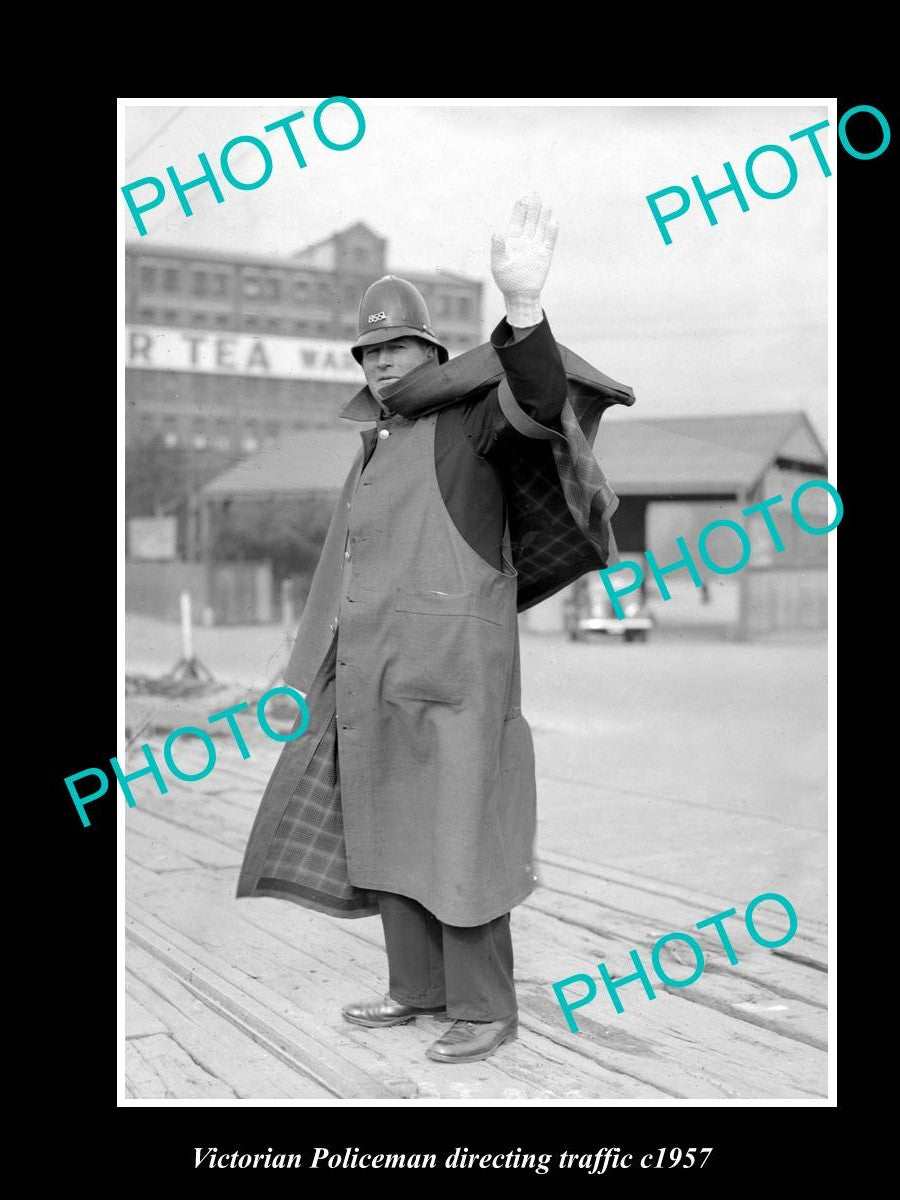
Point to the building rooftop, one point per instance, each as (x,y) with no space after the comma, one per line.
(666,456)
(226,256)
(316,460)
(690,455)
(357,226)
(293,261)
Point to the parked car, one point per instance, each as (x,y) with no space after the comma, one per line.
(588,609)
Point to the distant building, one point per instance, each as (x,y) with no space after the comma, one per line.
(672,476)
(225,352)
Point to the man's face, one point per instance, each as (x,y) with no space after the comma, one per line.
(389,361)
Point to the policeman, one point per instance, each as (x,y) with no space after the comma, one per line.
(412,795)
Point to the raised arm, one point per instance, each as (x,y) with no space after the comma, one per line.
(520,261)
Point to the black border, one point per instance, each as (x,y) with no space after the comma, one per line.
(81,990)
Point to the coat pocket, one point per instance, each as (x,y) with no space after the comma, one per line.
(456,604)
(449,646)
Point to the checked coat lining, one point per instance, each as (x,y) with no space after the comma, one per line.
(559,506)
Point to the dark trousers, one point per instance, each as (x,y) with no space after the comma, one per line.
(431,964)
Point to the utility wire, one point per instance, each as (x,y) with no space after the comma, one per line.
(165,125)
(155,224)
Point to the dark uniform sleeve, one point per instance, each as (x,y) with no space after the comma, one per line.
(535,374)
(471,437)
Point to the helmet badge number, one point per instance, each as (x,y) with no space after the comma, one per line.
(381,316)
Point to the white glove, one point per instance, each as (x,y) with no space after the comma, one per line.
(521,260)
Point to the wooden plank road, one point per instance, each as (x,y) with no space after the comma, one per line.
(232,999)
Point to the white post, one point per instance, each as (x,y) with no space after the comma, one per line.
(187,642)
(287,607)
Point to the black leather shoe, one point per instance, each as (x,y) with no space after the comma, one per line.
(376,1014)
(471,1041)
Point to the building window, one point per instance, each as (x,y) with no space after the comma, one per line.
(171,316)
(273,288)
(201,283)
(170,279)
(251,322)
(223,319)
(148,384)
(200,318)
(170,439)
(300,327)
(301,287)
(251,286)
(464,306)
(249,443)
(220,285)
(148,278)
(147,314)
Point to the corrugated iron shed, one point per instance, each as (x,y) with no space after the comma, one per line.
(315,460)
(667,456)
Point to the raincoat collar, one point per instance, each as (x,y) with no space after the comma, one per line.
(430,387)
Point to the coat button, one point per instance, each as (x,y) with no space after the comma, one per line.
(384,433)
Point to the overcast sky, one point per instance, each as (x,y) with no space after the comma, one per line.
(731,318)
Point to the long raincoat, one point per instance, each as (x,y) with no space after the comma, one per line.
(416,773)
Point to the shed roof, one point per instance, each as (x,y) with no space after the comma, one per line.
(314,460)
(666,456)
(699,455)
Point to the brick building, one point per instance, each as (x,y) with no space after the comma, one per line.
(225,352)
